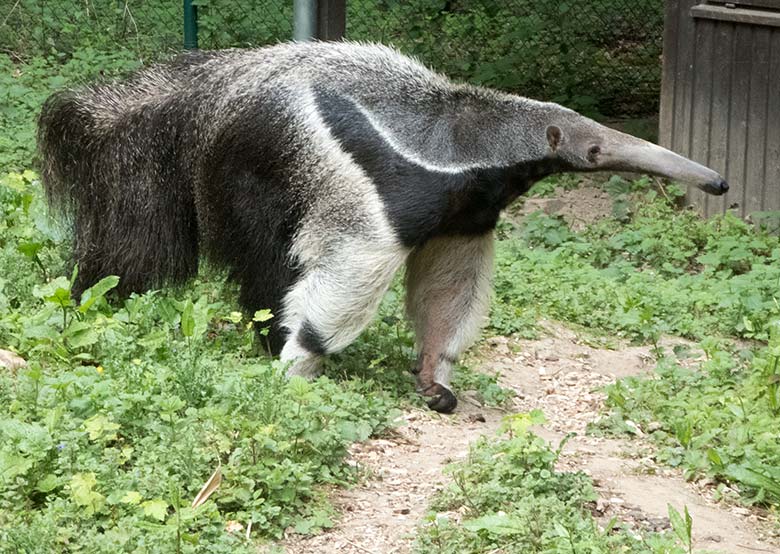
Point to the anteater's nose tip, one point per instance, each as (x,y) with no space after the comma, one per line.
(718,186)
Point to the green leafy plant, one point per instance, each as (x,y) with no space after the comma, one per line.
(665,270)
(714,419)
(512,499)
(682,527)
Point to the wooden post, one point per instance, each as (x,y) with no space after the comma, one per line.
(331,19)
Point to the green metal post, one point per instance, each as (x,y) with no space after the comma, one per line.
(305,24)
(190,25)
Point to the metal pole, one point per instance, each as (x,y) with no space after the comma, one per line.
(305,27)
(190,25)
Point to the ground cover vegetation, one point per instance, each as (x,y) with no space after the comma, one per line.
(653,270)
(507,496)
(128,406)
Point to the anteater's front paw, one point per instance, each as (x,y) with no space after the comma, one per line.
(441,398)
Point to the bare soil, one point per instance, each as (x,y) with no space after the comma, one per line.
(579,207)
(560,374)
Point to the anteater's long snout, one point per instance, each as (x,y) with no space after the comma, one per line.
(636,155)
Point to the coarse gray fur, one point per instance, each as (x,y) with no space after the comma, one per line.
(313,171)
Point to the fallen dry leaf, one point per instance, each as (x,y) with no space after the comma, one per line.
(10,360)
(208,489)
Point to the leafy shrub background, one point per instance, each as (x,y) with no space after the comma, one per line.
(598,57)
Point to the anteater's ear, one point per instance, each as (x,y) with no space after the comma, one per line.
(554,137)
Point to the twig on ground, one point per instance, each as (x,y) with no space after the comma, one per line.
(361,548)
(10,12)
(754,548)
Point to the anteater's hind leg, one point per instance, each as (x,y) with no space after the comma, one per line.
(124,181)
(448,294)
(336,299)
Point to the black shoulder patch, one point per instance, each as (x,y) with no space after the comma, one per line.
(422,203)
(247,198)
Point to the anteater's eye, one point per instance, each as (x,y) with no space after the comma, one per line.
(593,153)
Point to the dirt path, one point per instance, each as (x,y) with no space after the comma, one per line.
(558,374)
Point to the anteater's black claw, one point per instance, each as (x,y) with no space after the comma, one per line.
(442,399)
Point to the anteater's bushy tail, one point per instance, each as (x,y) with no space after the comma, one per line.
(113,163)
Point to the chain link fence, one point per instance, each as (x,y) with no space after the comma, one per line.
(597,56)
(31,28)
(149,28)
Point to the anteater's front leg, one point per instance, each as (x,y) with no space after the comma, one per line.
(448,295)
(336,299)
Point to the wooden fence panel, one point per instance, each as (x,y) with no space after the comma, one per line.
(717,156)
(757,121)
(701,114)
(720,103)
(771,198)
(740,91)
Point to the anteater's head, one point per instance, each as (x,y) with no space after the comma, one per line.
(581,144)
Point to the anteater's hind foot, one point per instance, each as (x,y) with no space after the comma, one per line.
(440,398)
